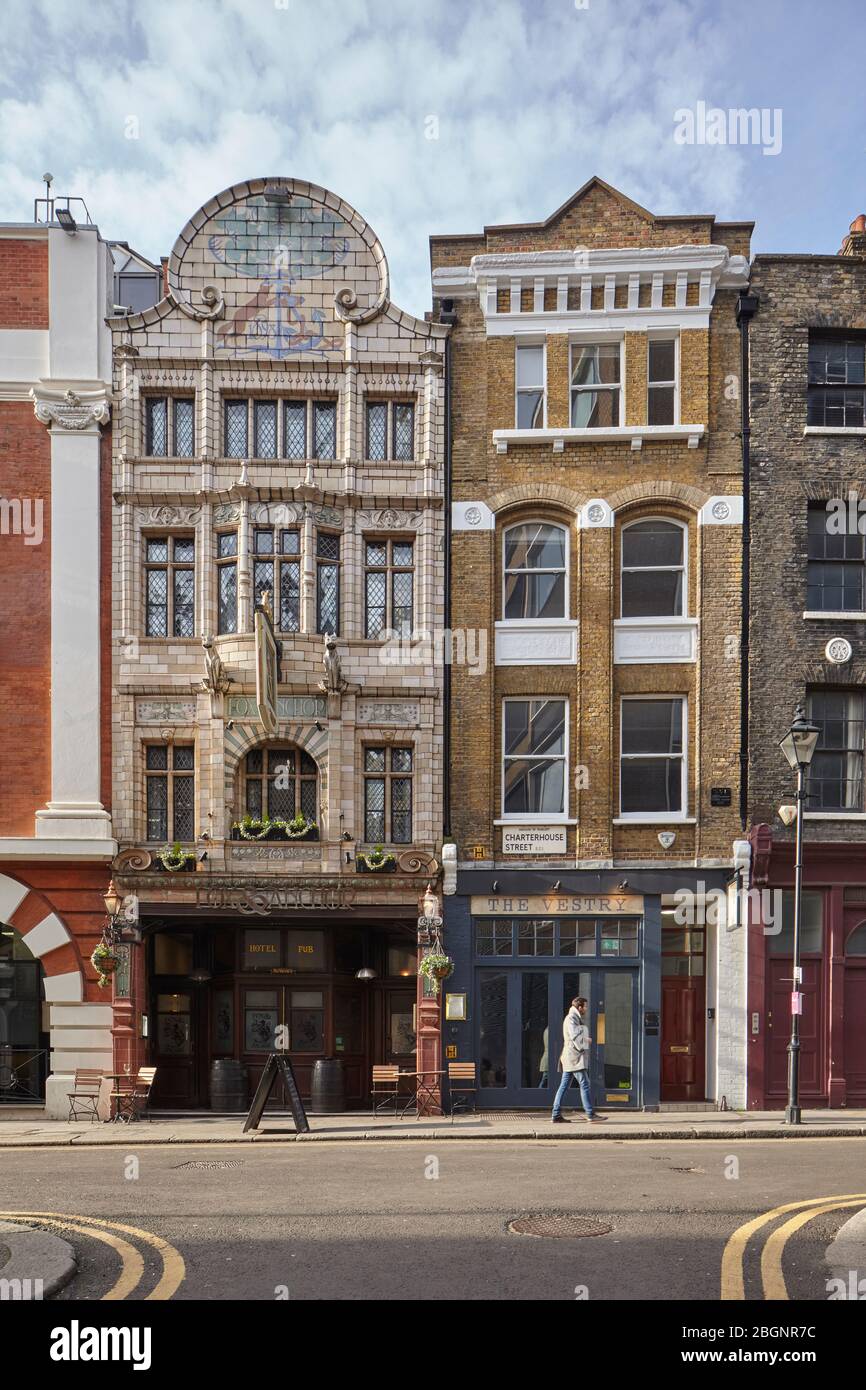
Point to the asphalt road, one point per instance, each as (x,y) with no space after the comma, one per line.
(373,1221)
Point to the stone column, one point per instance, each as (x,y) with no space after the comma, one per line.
(75,811)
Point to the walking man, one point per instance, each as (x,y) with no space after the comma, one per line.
(575,1062)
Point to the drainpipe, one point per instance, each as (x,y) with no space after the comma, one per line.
(747,305)
(447,315)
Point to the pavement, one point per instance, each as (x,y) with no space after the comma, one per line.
(33,1130)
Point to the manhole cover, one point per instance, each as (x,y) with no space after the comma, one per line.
(559,1225)
(212,1163)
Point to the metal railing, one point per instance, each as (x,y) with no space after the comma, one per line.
(45,209)
(22,1075)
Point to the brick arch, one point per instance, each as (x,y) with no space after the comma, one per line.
(535,494)
(658,492)
(46,936)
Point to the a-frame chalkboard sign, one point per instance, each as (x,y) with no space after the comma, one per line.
(277,1064)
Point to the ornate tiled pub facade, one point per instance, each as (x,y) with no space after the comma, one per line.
(278,446)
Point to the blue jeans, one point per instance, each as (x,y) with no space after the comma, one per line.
(585,1091)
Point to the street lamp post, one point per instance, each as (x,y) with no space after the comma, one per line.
(798,745)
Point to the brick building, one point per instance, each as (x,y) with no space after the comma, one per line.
(807,643)
(596,544)
(278,466)
(55,831)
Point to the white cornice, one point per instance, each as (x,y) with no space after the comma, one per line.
(633,435)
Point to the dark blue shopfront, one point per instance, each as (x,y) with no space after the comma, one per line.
(521,957)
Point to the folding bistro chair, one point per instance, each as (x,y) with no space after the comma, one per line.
(386,1083)
(84,1098)
(462,1085)
(134,1101)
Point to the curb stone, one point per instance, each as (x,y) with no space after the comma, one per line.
(29,1254)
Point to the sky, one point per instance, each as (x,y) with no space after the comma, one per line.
(436,115)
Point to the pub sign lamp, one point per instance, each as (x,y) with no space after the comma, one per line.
(798,745)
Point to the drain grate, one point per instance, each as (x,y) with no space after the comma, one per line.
(558,1226)
(209,1163)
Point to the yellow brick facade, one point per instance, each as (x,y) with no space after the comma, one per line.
(682,476)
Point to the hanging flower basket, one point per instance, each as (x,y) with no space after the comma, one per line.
(436,967)
(104,962)
(377,862)
(176,860)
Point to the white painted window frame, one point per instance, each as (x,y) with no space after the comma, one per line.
(664,336)
(655,619)
(657,817)
(602,339)
(537,622)
(535,817)
(531,342)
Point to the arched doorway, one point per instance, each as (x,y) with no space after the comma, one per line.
(23,1029)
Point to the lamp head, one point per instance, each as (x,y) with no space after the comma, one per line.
(800,741)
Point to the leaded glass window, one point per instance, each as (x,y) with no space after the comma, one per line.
(325,429)
(281,782)
(265,417)
(295,430)
(390,430)
(389,587)
(227,581)
(156,426)
(184,428)
(388,795)
(169,586)
(327,582)
(170,792)
(236,429)
(377,430)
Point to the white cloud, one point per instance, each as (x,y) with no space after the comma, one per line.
(532,98)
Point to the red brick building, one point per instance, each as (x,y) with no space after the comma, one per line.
(56,840)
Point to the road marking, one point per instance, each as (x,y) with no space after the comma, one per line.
(173,1267)
(771,1256)
(132,1265)
(732,1274)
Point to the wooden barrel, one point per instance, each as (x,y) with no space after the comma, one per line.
(328,1090)
(228,1085)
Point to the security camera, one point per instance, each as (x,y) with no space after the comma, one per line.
(231,724)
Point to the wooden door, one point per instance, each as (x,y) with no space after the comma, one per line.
(683,1050)
(855,1032)
(683,1075)
(779,989)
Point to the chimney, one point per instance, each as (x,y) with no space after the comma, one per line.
(855,242)
(163,260)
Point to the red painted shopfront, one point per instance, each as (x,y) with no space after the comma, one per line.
(833,954)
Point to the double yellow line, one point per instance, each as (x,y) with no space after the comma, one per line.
(772,1278)
(132,1264)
